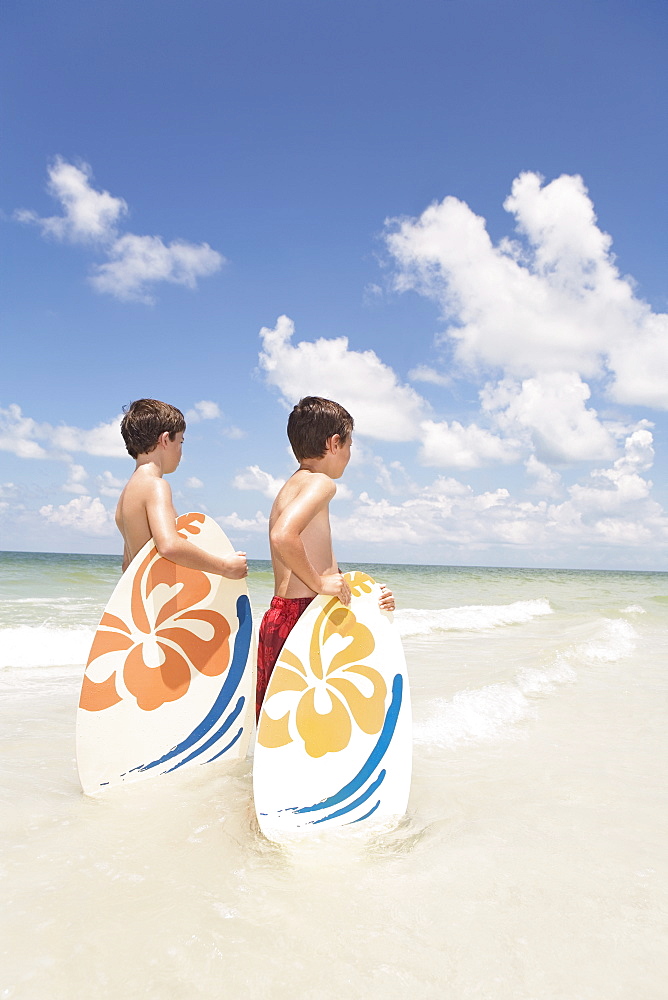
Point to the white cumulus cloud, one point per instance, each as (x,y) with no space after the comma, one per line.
(552,409)
(546,481)
(104,439)
(139,261)
(27,438)
(134,263)
(19,434)
(85,514)
(381,406)
(76,479)
(453,445)
(206,409)
(88,215)
(552,301)
(611,506)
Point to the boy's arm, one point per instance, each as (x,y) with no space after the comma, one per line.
(286,540)
(160,514)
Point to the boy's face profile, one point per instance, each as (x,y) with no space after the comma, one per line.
(341,452)
(173,450)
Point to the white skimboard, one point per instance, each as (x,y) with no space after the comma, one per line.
(334,740)
(170,680)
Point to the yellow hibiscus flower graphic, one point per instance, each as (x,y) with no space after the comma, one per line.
(323,697)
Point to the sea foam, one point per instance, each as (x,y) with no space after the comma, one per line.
(42,646)
(470,618)
(616,638)
(495,711)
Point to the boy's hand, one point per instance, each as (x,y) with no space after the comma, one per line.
(334,585)
(386,601)
(235,567)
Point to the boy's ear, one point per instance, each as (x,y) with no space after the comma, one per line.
(333,442)
(164,439)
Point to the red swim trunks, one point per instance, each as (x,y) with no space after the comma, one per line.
(277,624)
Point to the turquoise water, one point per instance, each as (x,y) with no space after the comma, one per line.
(531,865)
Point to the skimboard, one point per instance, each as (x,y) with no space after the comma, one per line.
(334,740)
(170,680)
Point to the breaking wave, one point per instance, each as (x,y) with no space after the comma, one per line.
(470,618)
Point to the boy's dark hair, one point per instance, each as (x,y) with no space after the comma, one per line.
(145,420)
(312,422)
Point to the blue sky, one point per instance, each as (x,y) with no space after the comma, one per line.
(450,216)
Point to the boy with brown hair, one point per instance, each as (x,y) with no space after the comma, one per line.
(300,537)
(153,435)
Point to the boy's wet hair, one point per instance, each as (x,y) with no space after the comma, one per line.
(312,422)
(145,420)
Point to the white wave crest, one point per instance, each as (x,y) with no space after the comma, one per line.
(473,716)
(471,618)
(615,640)
(494,712)
(41,646)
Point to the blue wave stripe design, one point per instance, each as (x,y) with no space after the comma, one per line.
(356,802)
(225,749)
(374,758)
(234,674)
(212,740)
(365,816)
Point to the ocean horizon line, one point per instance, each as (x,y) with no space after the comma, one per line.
(368,562)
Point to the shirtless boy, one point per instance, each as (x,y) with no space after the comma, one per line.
(300,538)
(153,434)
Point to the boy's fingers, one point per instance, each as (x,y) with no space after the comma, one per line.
(386,600)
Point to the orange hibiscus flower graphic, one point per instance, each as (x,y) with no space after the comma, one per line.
(166,637)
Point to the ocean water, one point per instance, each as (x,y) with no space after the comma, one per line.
(531,865)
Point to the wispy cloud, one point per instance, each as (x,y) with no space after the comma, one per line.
(253,525)
(27,438)
(134,263)
(109,485)
(254,478)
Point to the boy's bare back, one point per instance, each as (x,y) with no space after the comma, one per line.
(143,491)
(302,508)
(153,433)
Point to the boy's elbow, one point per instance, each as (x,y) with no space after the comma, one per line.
(278,538)
(167,550)
(275,538)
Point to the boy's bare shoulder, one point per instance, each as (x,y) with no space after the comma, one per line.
(140,492)
(143,485)
(303,483)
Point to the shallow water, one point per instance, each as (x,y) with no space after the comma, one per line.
(531,865)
